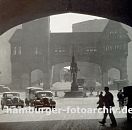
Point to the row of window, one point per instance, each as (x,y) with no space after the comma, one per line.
(91,50)
(59,50)
(17,50)
(117,35)
(115,47)
(80,51)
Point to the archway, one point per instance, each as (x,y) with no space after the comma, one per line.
(89,71)
(114,76)
(17,12)
(65,74)
(37,77)
(58,72)
(88,52)
(12,14)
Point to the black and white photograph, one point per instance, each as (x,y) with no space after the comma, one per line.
(65,65)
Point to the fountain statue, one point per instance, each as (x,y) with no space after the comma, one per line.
(75,92)
(74,70)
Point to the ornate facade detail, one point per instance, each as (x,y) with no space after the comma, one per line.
(107,48)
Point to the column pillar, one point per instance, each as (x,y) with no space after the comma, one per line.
(123,70)
(16,81)
(47,78)
(25,79)
(104,76)
(51,75)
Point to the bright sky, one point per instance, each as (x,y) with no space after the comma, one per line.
(63,22)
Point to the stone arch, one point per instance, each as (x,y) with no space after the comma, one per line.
(113,74)
(119,77)
(86,69)
(57,71)
(65,74)
(92,69)
(17,12)
(37,76)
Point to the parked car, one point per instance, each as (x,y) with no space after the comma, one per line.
(11,99)
(30,95)
(44,99)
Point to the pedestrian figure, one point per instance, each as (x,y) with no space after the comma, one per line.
(120,99)
(91,91)
(108,103)
(100,102)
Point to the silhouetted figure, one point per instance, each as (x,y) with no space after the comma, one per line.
(91,91)
(120,99)
(101,100)
(108,102)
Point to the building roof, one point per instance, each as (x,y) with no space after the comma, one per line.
(96,25)
(16,37)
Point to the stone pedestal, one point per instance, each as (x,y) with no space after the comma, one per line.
(74,94)
(74,86)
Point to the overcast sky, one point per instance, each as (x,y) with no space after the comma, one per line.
(63,22)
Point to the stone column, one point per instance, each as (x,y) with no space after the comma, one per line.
(51,75)
(123,73)
(47,78)
(104,76)
(26,79)
(123,69)
(16,81)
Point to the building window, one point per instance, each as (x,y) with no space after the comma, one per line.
(59,50)
(56,51)
(113,32)
(36,51)
(14,50)
(19,50)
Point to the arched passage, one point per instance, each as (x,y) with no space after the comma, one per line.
(65,74)
(60,51)
(89,71)
(37,77)
(113,74)
(58,72)
(116,78)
